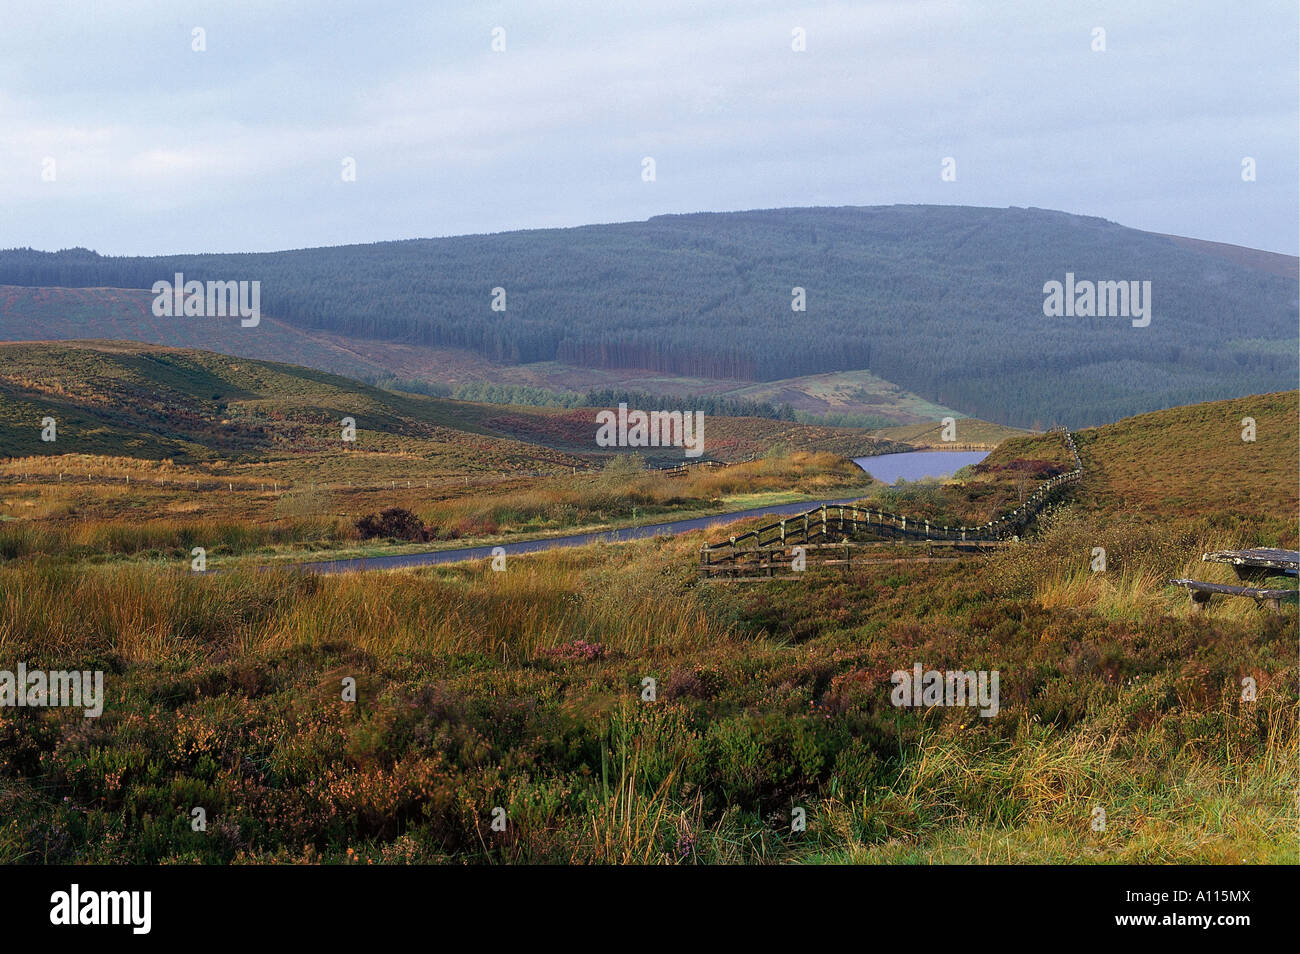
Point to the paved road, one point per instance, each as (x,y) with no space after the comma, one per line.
(552,543)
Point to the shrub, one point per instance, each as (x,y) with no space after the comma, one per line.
(579,650)
(395,523)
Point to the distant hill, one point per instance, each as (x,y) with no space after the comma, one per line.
(131,400)
(945,302)
(34,313)
(123,314)
(1274,263)
(126,399)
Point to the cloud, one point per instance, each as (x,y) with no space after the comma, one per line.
(245,140)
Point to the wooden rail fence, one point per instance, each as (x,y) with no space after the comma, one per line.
(766,548)
(683,468)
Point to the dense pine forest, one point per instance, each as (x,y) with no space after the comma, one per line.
(597,397)
(944,301)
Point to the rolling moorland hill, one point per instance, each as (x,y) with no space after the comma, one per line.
(223,691)
(132,400)
(123,314)
(1187,462)
(1185,466)
(945,302)
(1192,462)
(853,398)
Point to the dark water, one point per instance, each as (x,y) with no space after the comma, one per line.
(917,464)
(574,540)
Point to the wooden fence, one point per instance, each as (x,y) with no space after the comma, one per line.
(828,534)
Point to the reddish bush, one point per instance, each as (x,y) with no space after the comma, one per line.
(577,651)
(698,682)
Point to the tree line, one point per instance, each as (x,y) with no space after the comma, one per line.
(946,302)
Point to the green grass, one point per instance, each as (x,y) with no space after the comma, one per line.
(155,513)
(523,689)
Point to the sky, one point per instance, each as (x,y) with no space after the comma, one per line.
(117,134)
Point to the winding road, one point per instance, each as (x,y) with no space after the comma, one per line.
(672,528)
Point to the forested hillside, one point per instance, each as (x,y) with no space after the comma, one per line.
(944,301)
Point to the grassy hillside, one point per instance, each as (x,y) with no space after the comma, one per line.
(124,399)
(1193,462)
(968,431)
(159,449)
(922,296)
(127,399)
(522,690)
(62,314)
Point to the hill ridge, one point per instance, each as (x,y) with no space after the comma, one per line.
(939,300)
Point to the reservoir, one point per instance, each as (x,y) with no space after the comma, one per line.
(914,465)
(887,467)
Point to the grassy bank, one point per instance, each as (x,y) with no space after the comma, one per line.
(79,524)
(1129,727)
(524,690)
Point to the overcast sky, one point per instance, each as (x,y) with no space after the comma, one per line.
(158,148)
